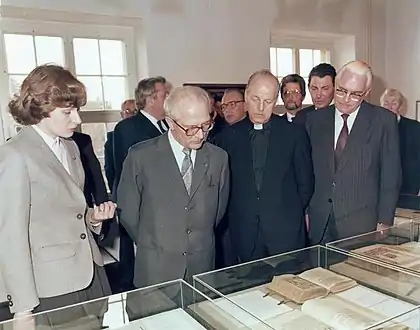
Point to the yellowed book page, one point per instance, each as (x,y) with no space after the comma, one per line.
(389,254)
(341,314)
(295,288)
(329,280)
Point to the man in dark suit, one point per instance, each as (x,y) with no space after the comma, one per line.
(321,87)
(94,186)
(271,181)
(355,151)
(173,192)
(409,131)
(128,109)
(146,124)
(292,92)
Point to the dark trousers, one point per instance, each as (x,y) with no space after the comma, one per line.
(126,265)
(330,231)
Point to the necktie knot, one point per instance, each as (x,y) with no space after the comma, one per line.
(187,152)
(345,116)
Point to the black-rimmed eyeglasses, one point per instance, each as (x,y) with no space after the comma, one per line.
(193,130)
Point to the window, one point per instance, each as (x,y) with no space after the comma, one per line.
(284,61)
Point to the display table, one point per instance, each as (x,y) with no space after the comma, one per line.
(368,302)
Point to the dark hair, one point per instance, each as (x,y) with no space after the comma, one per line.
(293,78)
(47,87)
(145,88)
(323,70)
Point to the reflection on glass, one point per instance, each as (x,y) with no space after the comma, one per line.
(15,81)
(94,92)
(115,92)
(49,50)
(273,61)
(86,56)
(20,53)
(284,61)
(306,61)
(112,57)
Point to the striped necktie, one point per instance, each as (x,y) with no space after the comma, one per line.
(187,169)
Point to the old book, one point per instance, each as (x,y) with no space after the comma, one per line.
(327,279)
(295,288)
(341,314)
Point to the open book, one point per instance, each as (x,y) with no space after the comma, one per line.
(313,283)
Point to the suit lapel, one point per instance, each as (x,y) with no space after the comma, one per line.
(76,173)
(200,169)
(359,134)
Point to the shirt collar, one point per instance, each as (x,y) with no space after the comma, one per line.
(152,119)
(352,115)
(48,139)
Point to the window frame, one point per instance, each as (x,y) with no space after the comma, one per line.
(67,31)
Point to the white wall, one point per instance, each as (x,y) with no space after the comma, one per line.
(403,49)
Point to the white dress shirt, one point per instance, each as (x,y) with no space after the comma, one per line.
(177,150)
(56,146)
(339,123)
(152,119)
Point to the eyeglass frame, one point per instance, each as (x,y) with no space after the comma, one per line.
(354,96)
(198,128)
(230,104)
(292,92)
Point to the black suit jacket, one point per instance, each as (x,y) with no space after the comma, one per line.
(109,159)
(363,190)
(276,212)
(127,133)
(94,188)
(301,115)
(409,130)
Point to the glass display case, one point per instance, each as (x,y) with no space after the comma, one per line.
(172,305)
(314,288)
(403,215)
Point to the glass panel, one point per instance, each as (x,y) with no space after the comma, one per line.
(15,81)
(112,57)
(279,100)
(317,57)
(86,56)
(20,53)
(284,61)
(277,289)
(308,99)
(273,61)
(49,50)
(306,62)
(115,92)
(94,92)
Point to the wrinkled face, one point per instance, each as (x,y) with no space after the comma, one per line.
(322,91)
(392,104)
(62,122)
(292,96)
(350,91)
(233,107)
(192,124)
(260,99)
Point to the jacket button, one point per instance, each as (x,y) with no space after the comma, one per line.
(83,236)
(79,216)
(10,303)
(184,253)
(329,200)
(9,297)
(188,231)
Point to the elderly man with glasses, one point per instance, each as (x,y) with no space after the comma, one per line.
(172,193)
(355,151)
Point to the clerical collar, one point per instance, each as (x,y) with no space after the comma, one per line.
(258,126)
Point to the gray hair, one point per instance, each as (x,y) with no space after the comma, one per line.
(146,88)
(359,68)
(184,95)
(233,90)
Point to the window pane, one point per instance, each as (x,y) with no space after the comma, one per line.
(112,57)
(284,61)
(94,92)
(305,62)
(273,61)
(279,100)
(86,56)
(308,99)
(15,81)
(20,54)
(114,92)
(317,57)
(49,50)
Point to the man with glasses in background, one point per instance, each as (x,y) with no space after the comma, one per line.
(355,152)
(173,192)
(292,92)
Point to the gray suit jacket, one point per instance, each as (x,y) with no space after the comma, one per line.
(46,248)
(174,232)
(363,191)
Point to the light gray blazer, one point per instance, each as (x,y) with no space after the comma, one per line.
(173,231)
(46,246)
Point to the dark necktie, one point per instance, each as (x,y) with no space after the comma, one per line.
(163,126)
(342,139)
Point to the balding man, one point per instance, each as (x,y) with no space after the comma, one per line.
(272,182)
(173,191)
(232,106)
(355,151)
